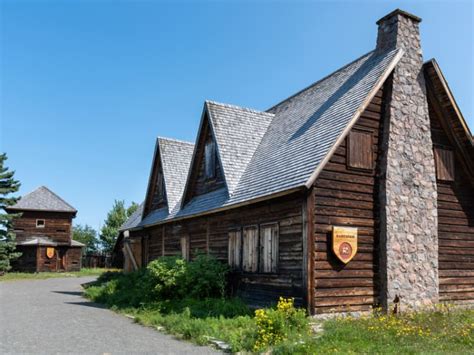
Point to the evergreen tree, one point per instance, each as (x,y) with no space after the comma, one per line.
(115,218)
(8,185)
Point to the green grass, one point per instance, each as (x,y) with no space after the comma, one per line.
(16,276)
(444,330)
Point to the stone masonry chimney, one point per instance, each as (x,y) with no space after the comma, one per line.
(408,193)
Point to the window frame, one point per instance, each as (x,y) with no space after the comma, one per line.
(40,225)
(349,164)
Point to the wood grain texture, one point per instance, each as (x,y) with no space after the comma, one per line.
(345,194)
(455,215)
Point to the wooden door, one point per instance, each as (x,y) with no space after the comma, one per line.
(62,259)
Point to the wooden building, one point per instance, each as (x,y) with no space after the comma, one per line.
(354,192)
(44,233)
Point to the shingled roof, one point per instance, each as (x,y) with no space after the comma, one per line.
(134,219)
(282,149)
(175,158)
(42,199)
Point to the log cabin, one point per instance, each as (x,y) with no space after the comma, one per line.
(355,192)
(44,233)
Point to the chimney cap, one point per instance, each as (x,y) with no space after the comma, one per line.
(399,12)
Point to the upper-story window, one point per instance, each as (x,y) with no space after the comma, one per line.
(40,223)
(160,191)
(210,159)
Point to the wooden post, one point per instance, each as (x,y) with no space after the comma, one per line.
(163,240)
(207,235)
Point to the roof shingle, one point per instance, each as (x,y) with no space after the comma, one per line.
(42,199)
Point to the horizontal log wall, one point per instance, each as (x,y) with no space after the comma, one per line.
(347,197)
(57,226)
(209,234)
(455,223)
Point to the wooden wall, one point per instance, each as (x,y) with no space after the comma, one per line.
(27,261)
(57,225)
(209,234)
(347,197)
(64,259)
(455,222)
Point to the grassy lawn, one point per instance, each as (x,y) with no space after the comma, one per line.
(15,276)
(285,330)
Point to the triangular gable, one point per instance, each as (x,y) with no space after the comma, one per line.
(168,175)
(238,133)
(155,197)
(198,181)
(450,115)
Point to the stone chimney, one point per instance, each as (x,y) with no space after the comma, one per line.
(408,193)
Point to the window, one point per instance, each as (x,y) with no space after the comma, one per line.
(269,247)
(444,160)
(160,193)
(235,244)
(185,247)
(360,150)
(250,249)
(210,159)
(40,223)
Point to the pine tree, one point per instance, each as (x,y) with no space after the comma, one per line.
(8,185)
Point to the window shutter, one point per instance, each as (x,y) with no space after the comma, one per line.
(250,249)
(269,240)
(159,186)
(234,249)
(444,159)
(185,247)
(210,159)
(360,150)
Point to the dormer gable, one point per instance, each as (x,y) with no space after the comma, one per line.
(205,173)
(156,191)
(168,173)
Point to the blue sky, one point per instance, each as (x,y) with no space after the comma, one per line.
(86,86)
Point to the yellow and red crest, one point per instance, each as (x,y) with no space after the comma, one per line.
(50,253)
(344,243)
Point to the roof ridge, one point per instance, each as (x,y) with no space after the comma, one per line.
(320,80)
(173,140)
(238,107)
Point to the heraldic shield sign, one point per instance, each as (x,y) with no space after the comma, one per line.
(49,252)
(344,243)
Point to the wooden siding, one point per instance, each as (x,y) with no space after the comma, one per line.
(199,183)
(58,226)
(347,197)
(455,221)
(210,234)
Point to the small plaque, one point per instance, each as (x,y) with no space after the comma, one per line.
(50,253)
(344,243)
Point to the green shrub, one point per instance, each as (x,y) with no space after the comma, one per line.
(166,276)
(205,277)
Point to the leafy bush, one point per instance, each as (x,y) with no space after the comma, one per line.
(277,325)
(166,275)
(205,277)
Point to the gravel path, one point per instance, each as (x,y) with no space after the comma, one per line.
(50,317)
